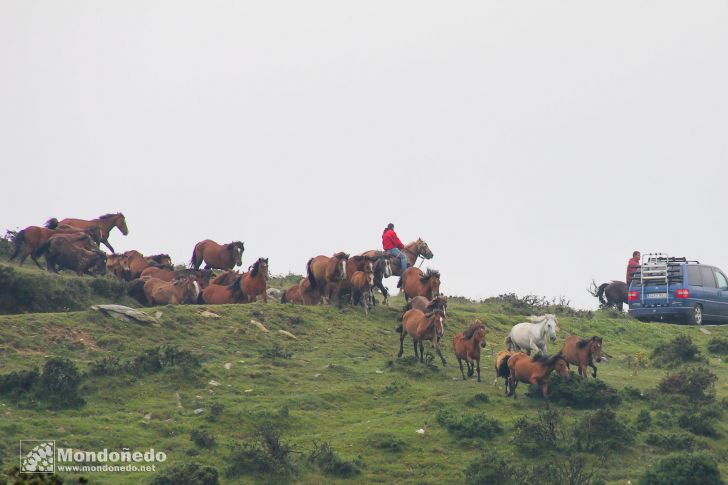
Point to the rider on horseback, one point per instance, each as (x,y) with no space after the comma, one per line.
(392,245)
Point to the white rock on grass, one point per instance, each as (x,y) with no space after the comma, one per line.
(198,411)
(228,365)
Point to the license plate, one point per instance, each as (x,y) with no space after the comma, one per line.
(656,295)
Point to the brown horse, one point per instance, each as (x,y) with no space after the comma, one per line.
(362,287)
(75,252)
(467,346)
(425,305)
(105,224)
(138,262)
(118,265)
(223,294)
(28,240)
(225,278)
(501,367)
(302,294)
(583,353)
(413,251)
(181,290)
(218,256)
(535,370)
(325,273)
(422,326)
(202,276)
(353,264)
(416,283)
(255,281)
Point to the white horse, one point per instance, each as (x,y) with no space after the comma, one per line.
(531,336)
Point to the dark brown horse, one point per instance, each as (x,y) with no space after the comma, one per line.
(422,326)
(255,281)
(179,291)
(218,256)
(416,283)
(413,251)
(74,252)
(28,240)
(105,224)
(325,273)
(302,294)
(615,293)
(535,370)
(583,353)
(467,346)
(353,265)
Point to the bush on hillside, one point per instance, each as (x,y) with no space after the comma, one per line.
(190,474)
(694,384)
(718,345)
(56,387)
(148,361)
(324,457)
(672,441)
(643,420)
(677,351)
(491,468)
(683,469)
(387,442)
(202,438)
(579,392)
(267,452)
(601,431)
(535,436)
(702,420)
(469,425)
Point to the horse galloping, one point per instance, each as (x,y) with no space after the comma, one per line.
(535,370)
(583,353)
(422,326)
(217,256)
(416,283)
(28,240)
(105,224)
(325,273)
(467,346)
(74,252)
(531,336)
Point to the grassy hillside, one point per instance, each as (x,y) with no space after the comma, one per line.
(338,383)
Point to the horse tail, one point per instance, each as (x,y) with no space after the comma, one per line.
(399,327)
(193,261)
(284,298)
(309,273)
(600,293)
(399,282)
(51,223)
(508,342)
(18,238)
(41,250)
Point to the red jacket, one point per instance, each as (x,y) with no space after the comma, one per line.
(390,240)
(632,266)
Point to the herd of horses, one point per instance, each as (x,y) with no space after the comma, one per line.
(153,280)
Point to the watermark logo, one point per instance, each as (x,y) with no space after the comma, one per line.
(37,456)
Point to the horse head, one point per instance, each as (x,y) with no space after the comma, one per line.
(386,267)
(120,223)
(551,326)
(342,258)
(236,249)
(560,366)
(595,348)
(432,279)
(423,249)
(438,319)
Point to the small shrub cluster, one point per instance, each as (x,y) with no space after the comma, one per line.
(266,453)
(57,386)
(324,457)
(703,420)
(276,352)
(643,420)
(533,304)
(191,473)
(679,350)
(202,438)
(601,431)
(579,392)
(696,384)
(149,361)
(545,432)
(469,425)
(388,442)
(718,345)
(683,469)
(672,441)
(477,400)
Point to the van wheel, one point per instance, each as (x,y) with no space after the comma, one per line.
(697,317)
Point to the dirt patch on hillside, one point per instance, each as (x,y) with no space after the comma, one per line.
(57,335)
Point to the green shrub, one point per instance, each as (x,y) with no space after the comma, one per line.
(202,438)
(543,433)
(672,441)
(18,384)
(324,457)
(644,420)
(683,469)
(149,361)
(677,351)
(580,393)
(718,345)
(58,384)
(266,453)
(695,384)
(189,474)
(469,425)
(491,468)
(601,430)
(388,442)
(702,420)
(477,400)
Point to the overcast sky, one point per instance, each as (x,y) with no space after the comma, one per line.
(533,144)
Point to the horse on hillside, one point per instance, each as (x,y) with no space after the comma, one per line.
(422,326)
(76,252)
(501,367)
(416,283)
(536,370)
(425,306)
(531,336)
(223,294)
(217,256)
(302,294)
(413,251)
(255,281)
(325,273)
(362,286)
(105,224)
(467,346)
(615,292)
(181,290)
(28,240)
(137,262)
(583,353)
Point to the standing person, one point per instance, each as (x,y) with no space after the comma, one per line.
(632,266)
(392,245)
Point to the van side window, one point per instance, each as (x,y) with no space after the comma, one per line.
(694,276)
(706,274)
(722,281)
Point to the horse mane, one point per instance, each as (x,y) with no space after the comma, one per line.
(468,334)
(540,318)
(582,343)
(51,223)
(110,215)
(545,360)
(254,269)
(430,273)
(159,257)
(433,312)
(341,255)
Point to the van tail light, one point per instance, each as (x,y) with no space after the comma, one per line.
(683,293)
(632,296)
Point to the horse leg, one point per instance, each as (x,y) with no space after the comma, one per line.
(401,343)
(594,374)
(422,351)
(460,363)
(582,371)
(477,361)
(106,243)
(414,344)
(365,301)
(513,383)
(471,368)
(436,344)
